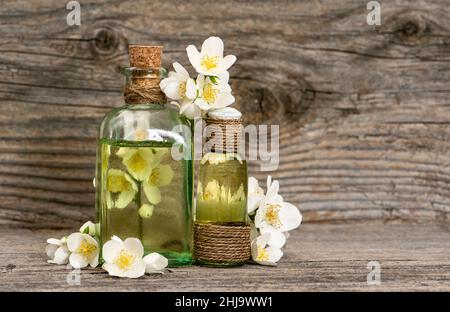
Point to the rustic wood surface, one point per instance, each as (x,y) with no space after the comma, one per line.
(317,258)
(364,110)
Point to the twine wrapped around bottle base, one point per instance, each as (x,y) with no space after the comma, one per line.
(221,243)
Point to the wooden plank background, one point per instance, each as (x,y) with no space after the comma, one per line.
(364,110)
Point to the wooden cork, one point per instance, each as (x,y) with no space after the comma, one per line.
(143,56)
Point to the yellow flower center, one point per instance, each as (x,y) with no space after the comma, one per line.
(124,260)
(182,90)
(86,249)
(272,215)
(263,255)
(137,162)
(209,62)
(210,93)
(117,183)
(154,176)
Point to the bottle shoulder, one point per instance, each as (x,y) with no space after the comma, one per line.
(132,122)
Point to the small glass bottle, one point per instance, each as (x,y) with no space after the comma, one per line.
(221,231)
(141,190)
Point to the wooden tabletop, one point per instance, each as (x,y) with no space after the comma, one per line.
(317,258)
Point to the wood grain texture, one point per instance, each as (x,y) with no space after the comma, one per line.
(364,110)
(317,258)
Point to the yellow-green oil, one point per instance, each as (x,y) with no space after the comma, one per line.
(164,224)
(221,194)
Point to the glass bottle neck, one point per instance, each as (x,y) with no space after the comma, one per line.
(142,86)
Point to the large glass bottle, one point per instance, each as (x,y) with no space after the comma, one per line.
(141,190)
(221,229)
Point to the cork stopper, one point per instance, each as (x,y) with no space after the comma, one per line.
(143,77)
(143,56)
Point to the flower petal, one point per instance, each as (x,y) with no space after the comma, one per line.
(252,185)
(74,240)
(134,246)
(290,217)
(94,260)
(259,217)
(155,262)
(78,261)
(152,193)
(165,175)
(136,270)
(227,62)
(223,80)
(124,199)
(253,201)
(117,239)
(224,100)
(146,211)
(194,56)
(88,228)
(172,89)
(54,241)
(180,70)
(113,270)
(277,238)
(191,89)
(213,46)
(61,256)
(202,104)
(275,254)
(110,250)
(50,250)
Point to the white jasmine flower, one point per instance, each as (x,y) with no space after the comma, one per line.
(255,195)
(84,250)
(180,87)
(213,93)
(274,212)
(124,258)
(90,228)
(57,251)
(210,61)
(155,263)
(264,254)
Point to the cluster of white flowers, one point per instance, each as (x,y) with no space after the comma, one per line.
(272,219)
(122,258)
(210,90)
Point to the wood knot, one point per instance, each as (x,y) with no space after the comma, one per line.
(106,42)
(410,27)
(256,101)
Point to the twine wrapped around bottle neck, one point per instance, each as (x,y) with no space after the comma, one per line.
(224,134)
(142,88)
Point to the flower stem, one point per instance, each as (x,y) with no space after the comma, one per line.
(139,204)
